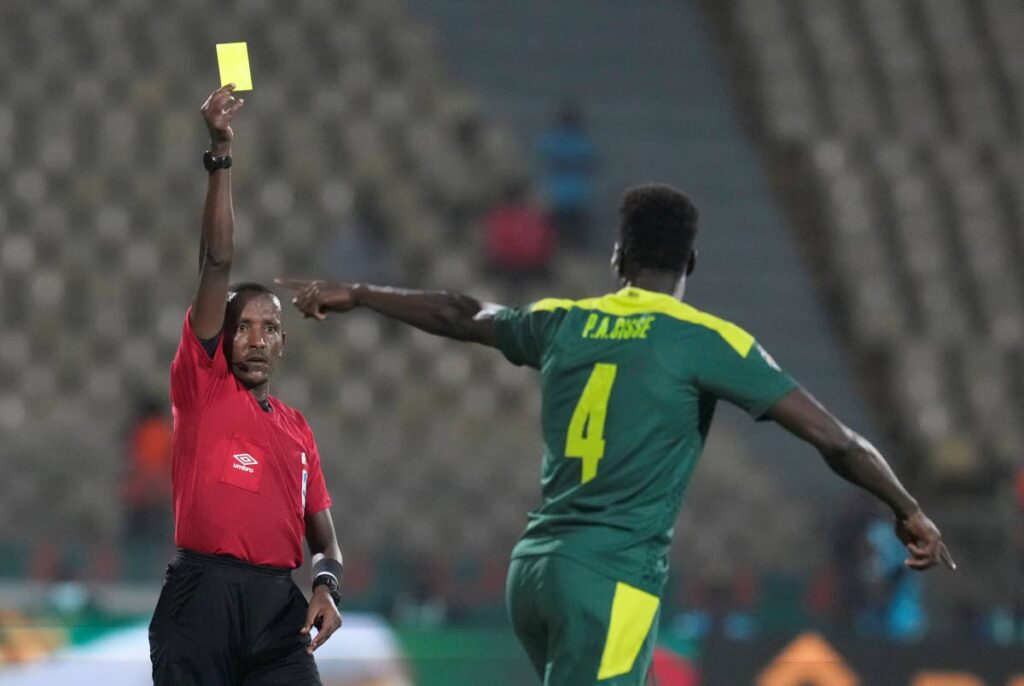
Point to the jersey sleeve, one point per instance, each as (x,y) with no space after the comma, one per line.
(194,372)
(524,334)
(317,497)
(743,373)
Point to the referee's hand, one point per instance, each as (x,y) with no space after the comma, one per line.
(218,112)
(322,614)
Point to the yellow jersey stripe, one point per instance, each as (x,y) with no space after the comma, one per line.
(630,301)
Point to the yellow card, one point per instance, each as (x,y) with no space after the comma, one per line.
(233,59)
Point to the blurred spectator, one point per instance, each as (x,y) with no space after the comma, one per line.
(1019,483)
(424,600)
(359,250)
(726,596)
(519,238)
(567,157)
(669,669)
(147,485)
(848,550)
(894,608)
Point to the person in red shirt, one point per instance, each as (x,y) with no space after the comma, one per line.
(520,240)
(246,479)
(146,489)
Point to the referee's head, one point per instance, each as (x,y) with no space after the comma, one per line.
(657,230)
(253,333)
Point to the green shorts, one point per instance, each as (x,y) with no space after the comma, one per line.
(580,627)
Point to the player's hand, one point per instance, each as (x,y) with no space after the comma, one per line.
(315,298)
(924,541)
(322,614)
(218,111)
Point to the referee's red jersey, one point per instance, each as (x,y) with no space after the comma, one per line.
(243,479)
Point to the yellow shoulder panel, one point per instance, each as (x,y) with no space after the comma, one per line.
(740,340)
(635,301)
(632,301)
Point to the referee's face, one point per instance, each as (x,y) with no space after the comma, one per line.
(256,340)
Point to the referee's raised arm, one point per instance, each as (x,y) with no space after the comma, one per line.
(216,242)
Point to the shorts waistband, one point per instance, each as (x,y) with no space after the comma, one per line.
(192,557)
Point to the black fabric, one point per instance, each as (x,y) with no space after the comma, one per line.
(329,572)
(209,344)
(224,622)
(327,565)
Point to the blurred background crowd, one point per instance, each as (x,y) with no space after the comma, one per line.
(859,167)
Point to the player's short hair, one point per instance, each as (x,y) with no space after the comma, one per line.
(236,302)
(657,227)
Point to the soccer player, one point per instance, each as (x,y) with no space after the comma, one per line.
(246,479)
(629,383)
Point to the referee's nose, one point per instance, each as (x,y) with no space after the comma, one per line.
(257,338)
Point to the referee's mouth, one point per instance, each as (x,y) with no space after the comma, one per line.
(255,364)
(254,368)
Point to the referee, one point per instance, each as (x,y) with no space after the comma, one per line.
(246,478)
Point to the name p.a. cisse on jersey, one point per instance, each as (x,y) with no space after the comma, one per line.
(609,327)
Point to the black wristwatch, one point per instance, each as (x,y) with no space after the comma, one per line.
(213,163)
(331,583)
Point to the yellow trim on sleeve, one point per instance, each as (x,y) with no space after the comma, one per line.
(633,613)
(631,301)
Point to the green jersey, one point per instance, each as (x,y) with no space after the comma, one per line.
(629,383)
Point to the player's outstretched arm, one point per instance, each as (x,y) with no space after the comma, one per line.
(452,315)
(856,460)
(216,242)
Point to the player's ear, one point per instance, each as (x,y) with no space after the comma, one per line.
(284,337)
(691,263)
(616,260)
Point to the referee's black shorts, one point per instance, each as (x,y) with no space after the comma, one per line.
(224,622)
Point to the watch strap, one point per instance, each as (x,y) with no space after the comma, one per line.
(213,162)
(331,582)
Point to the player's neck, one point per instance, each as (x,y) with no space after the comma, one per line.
(658,282)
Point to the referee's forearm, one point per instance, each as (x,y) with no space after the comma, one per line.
(218,227)
(322,538)
(331,552)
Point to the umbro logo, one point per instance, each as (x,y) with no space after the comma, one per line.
(245,462)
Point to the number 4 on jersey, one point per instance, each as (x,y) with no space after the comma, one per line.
(585,439)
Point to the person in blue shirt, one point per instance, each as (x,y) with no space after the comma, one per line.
(567,156)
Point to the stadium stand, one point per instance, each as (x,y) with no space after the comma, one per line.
(893,132)
(903,119)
